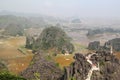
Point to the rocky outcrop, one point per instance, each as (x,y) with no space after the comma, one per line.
(104,66)
(78,70)
(109,66)
(115,43)
(42,69)
(94,45)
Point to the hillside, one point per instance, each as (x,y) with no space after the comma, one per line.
(51,38)
(24,22)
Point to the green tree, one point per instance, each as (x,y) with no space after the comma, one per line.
(29,41)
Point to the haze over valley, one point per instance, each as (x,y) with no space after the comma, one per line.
(59,40)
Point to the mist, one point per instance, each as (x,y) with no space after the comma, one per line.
(65,8)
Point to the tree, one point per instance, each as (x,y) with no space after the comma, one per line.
(29,41)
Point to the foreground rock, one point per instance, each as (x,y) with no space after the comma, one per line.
(78,70)
(109,67)
(42,69)
(104,66)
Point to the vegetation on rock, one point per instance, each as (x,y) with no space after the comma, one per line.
(42,69)
(6,75)
(109,67)
(51,38)
(101,31)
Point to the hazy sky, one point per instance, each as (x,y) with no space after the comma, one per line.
(82,8)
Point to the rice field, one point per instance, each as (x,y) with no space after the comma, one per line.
(16,61)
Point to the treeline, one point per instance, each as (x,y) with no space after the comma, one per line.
(101,31)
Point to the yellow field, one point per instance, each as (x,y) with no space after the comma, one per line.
(117,55)
(15,60)
(64,60)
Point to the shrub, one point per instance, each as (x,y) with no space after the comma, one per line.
(8,76)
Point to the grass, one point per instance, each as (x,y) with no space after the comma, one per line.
(60,59)
(15,55)
(63,60)
(37,75)
(117,54)
(80,48)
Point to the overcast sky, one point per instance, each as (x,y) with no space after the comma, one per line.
(82,8)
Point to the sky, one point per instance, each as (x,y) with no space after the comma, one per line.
(81,8)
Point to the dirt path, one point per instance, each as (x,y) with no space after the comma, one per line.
(94,67)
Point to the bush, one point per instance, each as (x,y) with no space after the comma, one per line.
(8,76)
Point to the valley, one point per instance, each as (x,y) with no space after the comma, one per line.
(18,61)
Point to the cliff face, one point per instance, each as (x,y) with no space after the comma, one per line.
(78,70)
(108,67)
(115,43)
(42,69)
(100,65)
(94,45)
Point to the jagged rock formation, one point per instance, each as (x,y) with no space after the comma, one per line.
(109,67)
(115,43)
(78,70)
(42,69)
(94,45)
